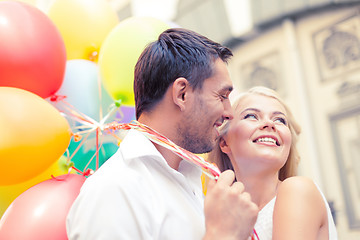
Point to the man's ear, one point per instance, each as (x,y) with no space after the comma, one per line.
(224,146)
(180,90)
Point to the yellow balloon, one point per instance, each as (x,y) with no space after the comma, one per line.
(33,134)
(83,25)
(120,52)
(10,192)
(204,177)
(204,182)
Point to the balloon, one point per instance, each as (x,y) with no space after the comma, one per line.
(204,183)
(128,114)
(87,152)
(204,177)
(81,88)
(32,50)
(40,212)
(10,192)
(31,2)
(85,157)
(33,135)
(120,52)
(84,25)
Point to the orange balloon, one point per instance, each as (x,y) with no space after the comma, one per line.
(10,192)
(33,135)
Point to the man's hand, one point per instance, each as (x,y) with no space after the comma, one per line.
(229,211)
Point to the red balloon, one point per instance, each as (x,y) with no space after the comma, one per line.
(33,55)
(40,212)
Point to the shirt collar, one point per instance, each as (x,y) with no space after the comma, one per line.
(136,145)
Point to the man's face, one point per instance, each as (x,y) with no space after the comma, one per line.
(210,107)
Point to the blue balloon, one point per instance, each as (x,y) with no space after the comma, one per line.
(81,88)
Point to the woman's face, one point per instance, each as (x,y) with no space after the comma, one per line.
(259,133)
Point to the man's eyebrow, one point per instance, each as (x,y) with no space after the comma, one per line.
(227,88)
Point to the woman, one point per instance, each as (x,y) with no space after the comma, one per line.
(259,144)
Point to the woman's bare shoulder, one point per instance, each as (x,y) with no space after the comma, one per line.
(298,185)
(300,191)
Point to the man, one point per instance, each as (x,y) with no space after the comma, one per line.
(145,191)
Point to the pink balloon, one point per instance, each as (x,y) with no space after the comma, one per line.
(40,212)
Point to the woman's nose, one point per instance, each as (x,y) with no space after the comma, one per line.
(267,123)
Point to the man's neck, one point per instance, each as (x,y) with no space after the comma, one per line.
(162,126)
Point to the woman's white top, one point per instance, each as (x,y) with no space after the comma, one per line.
(264,223)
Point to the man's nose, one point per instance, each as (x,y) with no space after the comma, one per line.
(228,111)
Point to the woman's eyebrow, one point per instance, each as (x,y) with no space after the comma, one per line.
(257,110)
(250,109)
(279,113)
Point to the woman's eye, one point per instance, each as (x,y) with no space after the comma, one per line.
(281,120)
(250,115)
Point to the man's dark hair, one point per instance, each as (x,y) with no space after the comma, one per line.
(177,53)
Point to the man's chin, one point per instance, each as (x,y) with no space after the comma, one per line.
(205,149)
(199,150)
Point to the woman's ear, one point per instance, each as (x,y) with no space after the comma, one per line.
(224,146)
(180,90)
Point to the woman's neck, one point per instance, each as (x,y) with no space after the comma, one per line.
(261,188)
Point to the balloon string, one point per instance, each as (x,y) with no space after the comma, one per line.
(67,156)
(87,125)
(254,234)
(79,146)
(100,98)
(83,132)
(113,109)
(167,143)
(97,148)
(151,134)
(86,173)
(74,118)
(116,137)
(77,170)
(180,151)
(76,112)
(59,99)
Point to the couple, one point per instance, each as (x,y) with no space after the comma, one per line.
(145,191)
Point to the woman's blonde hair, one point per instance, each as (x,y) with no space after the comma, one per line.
(290,168)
